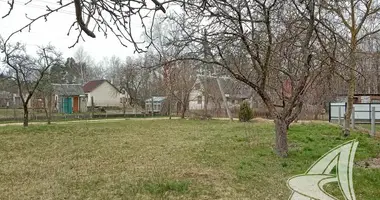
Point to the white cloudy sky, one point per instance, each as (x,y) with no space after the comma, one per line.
(55,31)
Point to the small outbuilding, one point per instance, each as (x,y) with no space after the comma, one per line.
(69,98)
(158,104)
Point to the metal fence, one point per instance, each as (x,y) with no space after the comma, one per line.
(17,115)
(361,112)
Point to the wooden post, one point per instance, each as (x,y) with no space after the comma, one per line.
(339,114)
(353,118)
(373,122)
(14,112)
(124,101)
(92,107)
(224,99)
(152,103)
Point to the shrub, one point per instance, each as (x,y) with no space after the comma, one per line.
(245,112)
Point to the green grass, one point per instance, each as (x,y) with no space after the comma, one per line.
(368,126)
(167,159)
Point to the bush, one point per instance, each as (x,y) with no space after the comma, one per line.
(245,112)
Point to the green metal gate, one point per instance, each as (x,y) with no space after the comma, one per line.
(67,105)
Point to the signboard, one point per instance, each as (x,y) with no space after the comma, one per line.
(365,99)
(287,88)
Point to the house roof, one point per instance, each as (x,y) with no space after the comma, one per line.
(360,95)
(232,88)
(92,85)
(156,99)
(68,89)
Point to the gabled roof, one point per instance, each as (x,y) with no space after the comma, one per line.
(155,99)
(68,89)
(355,95)
(92,85)
(233,88)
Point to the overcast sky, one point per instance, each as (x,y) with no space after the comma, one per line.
(55,31)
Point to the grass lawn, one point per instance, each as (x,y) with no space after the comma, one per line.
(368,126)
(167,159)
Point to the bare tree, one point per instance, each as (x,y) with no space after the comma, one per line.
(28,72)
(105,17)
(252,40)
(83,66)
(354,20)
(130,76)
(182,80)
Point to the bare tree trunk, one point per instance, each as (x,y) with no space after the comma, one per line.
(46,109)
(152,104)
(183,111)
(281,137)
(377,74)
(169,106)
(49,104)
(26,114)
(124,105)
(352,84)
(178,106)
(185,102)
(92,107)
(205,111)
(14,112)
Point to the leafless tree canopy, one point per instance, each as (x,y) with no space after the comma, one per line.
(272,46)
(27,71)
(101,17)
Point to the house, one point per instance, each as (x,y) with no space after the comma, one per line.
(158,104)
(234,91)
(10,99)
(103,93)
(5,99)
(69,98)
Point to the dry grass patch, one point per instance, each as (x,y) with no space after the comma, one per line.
(162,159)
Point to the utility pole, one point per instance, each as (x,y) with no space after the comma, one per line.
(151,87)
(223,96)
(207,52)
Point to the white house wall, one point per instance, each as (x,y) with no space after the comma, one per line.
(105,95)
(193,101)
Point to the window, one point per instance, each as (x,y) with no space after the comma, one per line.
(197,86)
(199,99)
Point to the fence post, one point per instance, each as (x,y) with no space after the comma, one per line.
(353,118)
(92,107)
(373,122)
(14,112)
(339,114)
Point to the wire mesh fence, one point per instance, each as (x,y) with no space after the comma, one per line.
(17,114)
